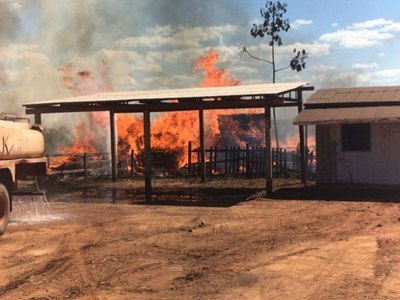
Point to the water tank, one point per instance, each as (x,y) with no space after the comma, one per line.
(19,140)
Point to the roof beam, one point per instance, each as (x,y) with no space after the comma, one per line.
(160,107)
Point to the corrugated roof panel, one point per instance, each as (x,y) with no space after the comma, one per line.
(325,94)
(336,97)
(348,115)
(388,95)
(355,95)
(372,96)
(396,95)
(188,93)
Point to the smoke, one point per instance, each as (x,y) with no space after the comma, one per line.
(55,49)
(3,77)
(9,22)
(69,29)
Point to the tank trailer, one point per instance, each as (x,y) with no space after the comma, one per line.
(22,148)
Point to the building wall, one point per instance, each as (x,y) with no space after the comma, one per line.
(381,165)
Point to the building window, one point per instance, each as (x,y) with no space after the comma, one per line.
(356,137)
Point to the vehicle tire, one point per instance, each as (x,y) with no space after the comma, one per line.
(4,208)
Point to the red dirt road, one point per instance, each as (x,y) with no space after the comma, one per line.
(259,249)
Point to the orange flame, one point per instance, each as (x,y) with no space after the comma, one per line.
(169,130)
(213,76)
(86,133)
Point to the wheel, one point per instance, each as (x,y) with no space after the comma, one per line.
(4,208)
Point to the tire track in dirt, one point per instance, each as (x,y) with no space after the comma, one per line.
(64,266)
(77,243)
(387,269)
(287,270)
(19,281)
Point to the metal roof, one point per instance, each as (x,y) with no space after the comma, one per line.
(351,105)
(344,115)
(178,94)
(358,95)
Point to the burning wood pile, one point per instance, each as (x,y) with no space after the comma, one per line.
(79,164)
(163,161)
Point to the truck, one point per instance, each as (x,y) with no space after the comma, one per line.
(22,149)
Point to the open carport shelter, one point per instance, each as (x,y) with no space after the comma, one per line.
(357,134)
(146,102)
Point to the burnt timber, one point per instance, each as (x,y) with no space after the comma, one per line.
(172,100)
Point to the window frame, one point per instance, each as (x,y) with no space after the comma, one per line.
(356,137)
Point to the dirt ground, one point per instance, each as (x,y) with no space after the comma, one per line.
(332,244)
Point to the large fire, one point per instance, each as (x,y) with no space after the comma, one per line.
(170,131)
(173,130)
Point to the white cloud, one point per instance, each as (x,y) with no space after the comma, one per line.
(166,36)
(356,38)
(371,24)
(322,67)
(394,27)
(382,54)
(244,69)
(315,49)
(334,78)
(365,34)
(382,76)
(365,66)
(334,24)
(297,24)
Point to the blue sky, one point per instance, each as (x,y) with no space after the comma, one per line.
(151,44)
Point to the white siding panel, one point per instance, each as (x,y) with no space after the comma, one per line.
(379,166)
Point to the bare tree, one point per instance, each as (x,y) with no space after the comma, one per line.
(274,23)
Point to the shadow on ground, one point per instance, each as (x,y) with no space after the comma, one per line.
(340,193)
(182,196)
(211,197)
(215,192)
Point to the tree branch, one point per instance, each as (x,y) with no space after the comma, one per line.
(281,69)
(255,57)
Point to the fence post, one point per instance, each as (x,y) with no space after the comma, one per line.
(273,161)
(247,159)
(231,168)
(190,158)
(298,159)
(293,158)
(237,159)
(198,161)
(215,159)
(256,161)
(85,164)
(132,161)
(285,160)
(253,160)
(280,162)
(211,161)
(226,160)
(243,159)
(264,169)
(228,156)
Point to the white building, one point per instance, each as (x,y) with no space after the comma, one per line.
(357,134)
